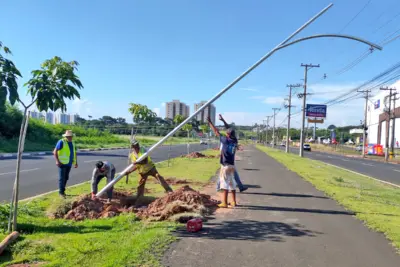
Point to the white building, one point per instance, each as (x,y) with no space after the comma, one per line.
(209,111)
(73,118)
(176,108)
(377,118)
(50,117)
(35,115)
(62,118)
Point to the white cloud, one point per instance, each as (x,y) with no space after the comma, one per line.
(163,104)
(82,107)
(273,100)
(157,111)
(257,97)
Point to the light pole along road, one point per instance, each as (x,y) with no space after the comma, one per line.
(280,46)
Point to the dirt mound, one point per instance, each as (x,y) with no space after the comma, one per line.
(181,202)
(196,155)
(86,208)
(174,181)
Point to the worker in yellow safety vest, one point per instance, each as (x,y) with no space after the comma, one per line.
(145,168)
(65,155)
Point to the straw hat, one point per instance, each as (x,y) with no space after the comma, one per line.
(68,133)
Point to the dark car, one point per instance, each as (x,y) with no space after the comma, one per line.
(307,147)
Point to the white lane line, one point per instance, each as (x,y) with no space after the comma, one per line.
(319,155)
(345,159)
(330,157)
(5,173)
(88,161)
(395,185)
(367,164)
(396,170)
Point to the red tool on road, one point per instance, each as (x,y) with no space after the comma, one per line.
(194,225)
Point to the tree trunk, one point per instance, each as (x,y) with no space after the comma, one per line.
(8,240)
(188,144)
(21,144)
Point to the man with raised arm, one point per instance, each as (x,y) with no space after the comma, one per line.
(226,176)
(237,178)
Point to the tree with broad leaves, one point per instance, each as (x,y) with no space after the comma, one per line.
(141,113)
(204,128)
(48,88)
(178,119)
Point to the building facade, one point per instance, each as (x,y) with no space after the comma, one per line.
(378,119)
(50,117)
(209,111)
(63,118)
(176,108)
(73,118)
(35,115)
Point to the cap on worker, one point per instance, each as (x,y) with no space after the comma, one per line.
(68,133)
(99,164)
(134,142)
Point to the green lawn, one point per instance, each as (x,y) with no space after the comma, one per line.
(375,203)
(118,241)
(149,140)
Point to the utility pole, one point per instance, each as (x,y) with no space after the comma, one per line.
(306,68)
(266,132)
(365,120)
(388,124)
(394,121)
(273,130)
(289,106)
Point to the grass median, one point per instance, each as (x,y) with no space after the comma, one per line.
(375,203)
(117,241)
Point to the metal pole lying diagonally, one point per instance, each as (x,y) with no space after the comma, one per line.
(240,77)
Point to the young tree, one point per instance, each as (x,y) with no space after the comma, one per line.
(48,88)
(187,127)
(178,119)
(141,113)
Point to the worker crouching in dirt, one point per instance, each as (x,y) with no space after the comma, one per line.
(145,168)
(227,172)
(103,169)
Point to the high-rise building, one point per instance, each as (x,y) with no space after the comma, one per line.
(62,118)
(209,111)
(35,115)
(176,108)
(50,117)
(73,118)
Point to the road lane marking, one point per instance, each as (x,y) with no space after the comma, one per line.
(345,159)
(5,173)
(367,164)
(330,157)
(395,185)
(396,170)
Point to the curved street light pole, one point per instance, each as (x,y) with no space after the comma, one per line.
(283,44)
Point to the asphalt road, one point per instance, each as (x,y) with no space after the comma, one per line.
(39,174)
(383,171)
(281,220)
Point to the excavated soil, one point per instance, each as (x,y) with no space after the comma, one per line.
(182,201)
(179,204)
(196,155)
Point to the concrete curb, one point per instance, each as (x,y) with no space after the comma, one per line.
(41,153)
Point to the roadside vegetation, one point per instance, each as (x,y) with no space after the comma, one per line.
(119,241)
(375,203)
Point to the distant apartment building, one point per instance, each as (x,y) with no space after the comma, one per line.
(49,117)
(176,108)
(209,111)
(35,115)
(73,118)
(62,118)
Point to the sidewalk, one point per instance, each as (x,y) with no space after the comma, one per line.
(282,220)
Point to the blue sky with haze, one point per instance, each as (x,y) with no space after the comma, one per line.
(154,51)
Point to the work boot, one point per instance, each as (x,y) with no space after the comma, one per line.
(62,196)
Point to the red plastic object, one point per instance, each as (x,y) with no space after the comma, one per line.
(194,225)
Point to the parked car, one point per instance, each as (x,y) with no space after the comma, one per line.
(203,142)
(359,148)
(307,147)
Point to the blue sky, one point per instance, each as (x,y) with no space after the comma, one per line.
(152,51)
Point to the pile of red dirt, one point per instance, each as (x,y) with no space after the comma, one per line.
(86,208)
(182,201)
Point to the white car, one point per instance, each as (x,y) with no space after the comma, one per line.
(203,142)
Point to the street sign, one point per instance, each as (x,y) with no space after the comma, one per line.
(316,111)
(315,120)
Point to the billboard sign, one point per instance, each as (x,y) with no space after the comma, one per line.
(316,111)
(315,120)
(377,103)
